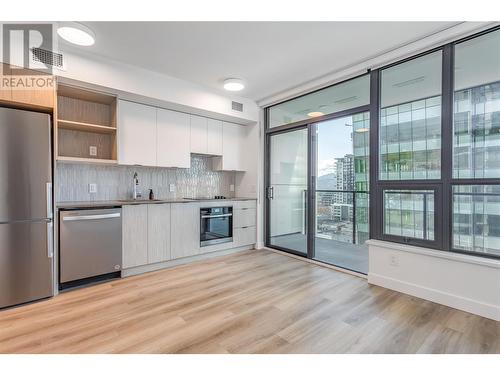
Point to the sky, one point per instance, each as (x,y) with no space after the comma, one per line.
(334,141)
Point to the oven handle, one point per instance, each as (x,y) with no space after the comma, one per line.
(211,216)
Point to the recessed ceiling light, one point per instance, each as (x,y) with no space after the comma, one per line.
(76,33)
(315,114)
(234,84)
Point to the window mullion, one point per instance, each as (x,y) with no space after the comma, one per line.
(447,146)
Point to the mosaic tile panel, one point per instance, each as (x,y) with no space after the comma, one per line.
(116,182)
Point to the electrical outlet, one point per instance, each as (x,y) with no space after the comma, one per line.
(171,188)
(231,187)
(93,151)
(394,260)
(92,188)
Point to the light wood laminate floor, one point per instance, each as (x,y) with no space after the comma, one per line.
(255,301)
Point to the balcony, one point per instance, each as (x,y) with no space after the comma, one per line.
(341,229)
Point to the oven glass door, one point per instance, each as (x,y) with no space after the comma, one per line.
(216,225)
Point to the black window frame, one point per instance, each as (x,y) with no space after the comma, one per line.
(443,187)
(378,185)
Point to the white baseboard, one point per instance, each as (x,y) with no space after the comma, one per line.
(443,298)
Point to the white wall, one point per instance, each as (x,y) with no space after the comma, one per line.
(461,281)
(134,83)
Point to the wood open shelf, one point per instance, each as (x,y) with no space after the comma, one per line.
(85,126)
(70,159)
(86,121)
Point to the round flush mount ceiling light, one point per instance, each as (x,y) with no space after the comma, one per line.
(315,114)
(234,84)
(76,33)
(362,130)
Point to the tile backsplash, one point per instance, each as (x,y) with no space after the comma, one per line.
(115,182)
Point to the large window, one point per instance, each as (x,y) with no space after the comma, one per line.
(409,213)
(417,161)
(476,218)
(410,120)
(476,146)
(476,126)
(346,95)
(410,149)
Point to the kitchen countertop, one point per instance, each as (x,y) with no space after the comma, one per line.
(123,202)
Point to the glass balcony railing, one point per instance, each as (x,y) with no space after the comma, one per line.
(342,215)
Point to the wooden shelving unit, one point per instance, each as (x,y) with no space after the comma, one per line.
(85,120)
(85,127)
(78,160)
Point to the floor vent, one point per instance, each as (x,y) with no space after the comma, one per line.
(47,57)
(237,106)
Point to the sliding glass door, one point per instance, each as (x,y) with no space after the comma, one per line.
(334,159)
(287,190)
(317,168)
(341,162)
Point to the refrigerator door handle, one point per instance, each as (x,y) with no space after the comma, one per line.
(49,199)
(50,239)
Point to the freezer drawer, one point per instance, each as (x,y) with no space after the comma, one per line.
(90,243)
(25,261)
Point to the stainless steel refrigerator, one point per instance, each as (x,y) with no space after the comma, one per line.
(26,227)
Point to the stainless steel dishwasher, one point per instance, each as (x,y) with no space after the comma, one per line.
(90,245)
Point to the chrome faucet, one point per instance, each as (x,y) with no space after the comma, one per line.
(137,192)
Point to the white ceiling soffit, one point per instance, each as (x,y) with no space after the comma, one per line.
(271,57)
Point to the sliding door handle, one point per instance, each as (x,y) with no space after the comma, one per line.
(270,192)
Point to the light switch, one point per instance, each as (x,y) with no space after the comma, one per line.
(231,187)
(171,188)
(93,151)
(92,188)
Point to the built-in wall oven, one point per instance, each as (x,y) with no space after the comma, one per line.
(216,225)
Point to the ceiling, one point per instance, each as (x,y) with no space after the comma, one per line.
(270,56)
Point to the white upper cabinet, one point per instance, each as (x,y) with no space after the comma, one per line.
(199,134)
(136,134)
(173,139)
(159,137)
(214,137)
(233,141)
(206,136)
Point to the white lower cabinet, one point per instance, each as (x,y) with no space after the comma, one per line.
(185,230)
(159,233)
(134,235)
(244,223)
(155,233)
(244,236)
(245,217)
